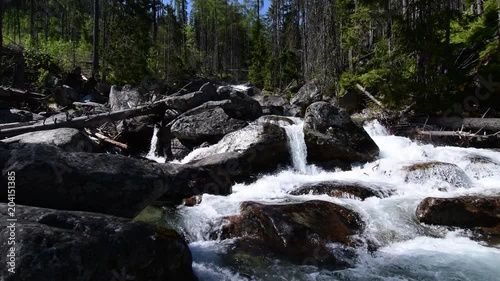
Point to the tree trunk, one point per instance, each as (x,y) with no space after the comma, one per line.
(458,123)
(479,7)
(155,21)
(87,121)
(95,56)
(1,26)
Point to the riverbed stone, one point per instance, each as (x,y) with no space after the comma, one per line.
(332,137)
(297,232)
(343,189)
(444,174)
(53,245)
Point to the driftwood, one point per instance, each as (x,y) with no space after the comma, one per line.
(21,96)
(370,96)
(87,121)
(457,123)
(16,125)
(457,134)
(111,141)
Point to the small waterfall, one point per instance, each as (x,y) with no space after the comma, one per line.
(153,146)
(297,145)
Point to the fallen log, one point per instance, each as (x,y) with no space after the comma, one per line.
(457,134)
(458,123)
(16,124)
(111,141)
(17,95)
(370,96)
(87,121)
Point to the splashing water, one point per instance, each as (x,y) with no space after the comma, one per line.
(297,144)
(153,147)
(408,250)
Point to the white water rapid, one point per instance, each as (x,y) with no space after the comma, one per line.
(297,144)
(153,146)
(408,250)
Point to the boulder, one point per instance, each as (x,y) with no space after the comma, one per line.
(342,189)
(138,131)
(307,95)
(276,120)
(482,167)
(110,184)
(121,98)
(65,95)
(474,212)
(297,232)
(188,101)
(207,126)
(68,139)
(271,104)
(248,90)
(332,137)
(444,174)
(257,148)
(13,115)
(56,245)
(178,150)
(241,105)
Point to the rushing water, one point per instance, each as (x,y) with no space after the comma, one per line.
(153,146)
(297,144)
(408,250)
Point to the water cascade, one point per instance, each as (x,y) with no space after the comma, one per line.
(407,250)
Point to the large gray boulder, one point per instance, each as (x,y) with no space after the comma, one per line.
(207,126)
(332,137)
(68,139)
(307,95)
(121,98)
(110,184)
(188,101)
(443,175)
(271,104)
(56,245)
(257,148)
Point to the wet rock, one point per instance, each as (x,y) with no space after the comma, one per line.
(478,213)
(111,184)
(482,167)
(192,201)
(121,98)
(276,120)
(440,172)
(243,154)
(331,137)
(307,95)
(68,139)
(298,232)
(208,126)
(16,115)
(179,151)
(56,245)
(342,189)
(138,131)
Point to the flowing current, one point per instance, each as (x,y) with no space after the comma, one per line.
(297,144)
(408,250)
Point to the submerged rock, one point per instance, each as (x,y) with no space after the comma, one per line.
(68,139)
(474,212)
(300,232)
(342,189)
(112,184)
(242,154)
(332,137)
(482,167)
(56,245)
(440,172)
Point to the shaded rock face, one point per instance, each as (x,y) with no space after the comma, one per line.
(331,137)
(16,115)
(179,151)
(191,100)
(124,98)
(342,190)
(444,174)
(66,95)
(242,154)
(104,183)
(56,245)
(68,139)
(297,232)
(271,105)
(480,213)
(241,106)
(208,126)
(138,131)
(307,95)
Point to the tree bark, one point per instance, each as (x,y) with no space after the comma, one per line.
(457,123)
(87,121)
(95,56)
(1,26)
